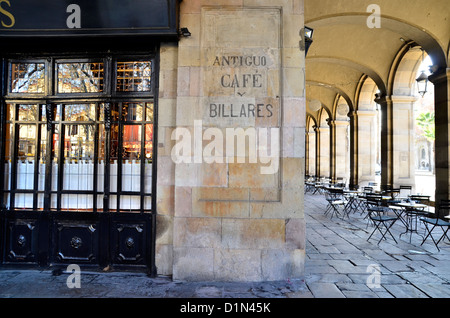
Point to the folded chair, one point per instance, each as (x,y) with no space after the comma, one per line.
(382,221)
(432,223)
(336,202)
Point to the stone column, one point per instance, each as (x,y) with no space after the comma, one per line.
(318,151)
(166,196)
(441,81)
(353,150)
(324,155)
(403,140)
(240,75)
(341,149)
(312,153)
(367,146)
(386,141)
(307,150)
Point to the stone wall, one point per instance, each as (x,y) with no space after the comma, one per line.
(231,143)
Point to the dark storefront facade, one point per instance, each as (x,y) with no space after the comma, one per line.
(78,125)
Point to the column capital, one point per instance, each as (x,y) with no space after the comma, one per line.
(366,113)
(403,98)
(340,123)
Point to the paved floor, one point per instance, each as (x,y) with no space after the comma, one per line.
(340,263)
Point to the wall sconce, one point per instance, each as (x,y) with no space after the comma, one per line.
(184,32)
(308,38)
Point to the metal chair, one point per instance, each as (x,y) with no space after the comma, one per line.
(379,217)
(432,223)
(336,201)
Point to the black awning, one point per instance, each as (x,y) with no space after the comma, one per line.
(88,18)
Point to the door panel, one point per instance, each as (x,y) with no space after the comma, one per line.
(129,238)
(76,242)
(21,243)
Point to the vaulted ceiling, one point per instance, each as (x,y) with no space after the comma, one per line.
(345,48)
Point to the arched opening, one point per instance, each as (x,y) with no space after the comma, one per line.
(369,131)
(324,144)
(413,122)
(424,133)
(310,169)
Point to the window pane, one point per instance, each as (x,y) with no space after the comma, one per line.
(149,142)
(79,112)
(131,167)
(130,203)
(101,158)
(78,157)
(27,77)
(132,111)
(149,112)
(80,77)
(26,157)
(42,154)
(114,157)
(77,202)
(55,155)
(134,76)
(28,112)
(148,158)
(8,154)
(10,112)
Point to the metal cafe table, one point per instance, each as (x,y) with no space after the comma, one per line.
(407,213)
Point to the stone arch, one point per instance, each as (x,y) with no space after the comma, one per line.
(402,100)
(368,132)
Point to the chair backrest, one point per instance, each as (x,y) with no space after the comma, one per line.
(368,189)
(405,191)
(444,208)
(373,199)
(420,198)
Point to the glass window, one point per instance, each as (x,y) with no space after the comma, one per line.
(28,112)
(134,76)
(132,112)
(79,112)
(65,166)
(27,78)
(80,77)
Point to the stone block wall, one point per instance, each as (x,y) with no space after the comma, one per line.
(231,143)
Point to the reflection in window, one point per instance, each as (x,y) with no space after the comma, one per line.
(27,77)
(149,142)
(134,76)
(131,169)
(79,112)
(79,142)
(80,77)
(26,165)
(27,112)
(78,171)
(8,157)
(132,112)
